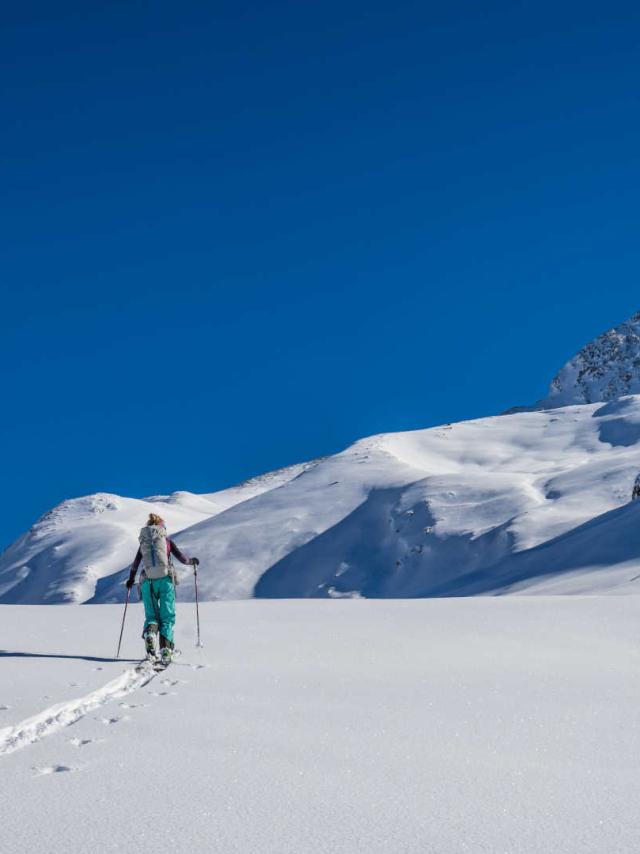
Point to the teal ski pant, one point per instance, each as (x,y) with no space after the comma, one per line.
(159,598)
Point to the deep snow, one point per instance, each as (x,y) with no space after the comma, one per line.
(503,724)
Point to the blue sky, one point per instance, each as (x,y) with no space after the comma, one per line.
(236,236)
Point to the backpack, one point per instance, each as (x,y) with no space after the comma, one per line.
(153,546)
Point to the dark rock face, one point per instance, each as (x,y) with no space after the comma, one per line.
(605,369)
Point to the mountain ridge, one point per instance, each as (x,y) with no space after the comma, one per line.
(397,514)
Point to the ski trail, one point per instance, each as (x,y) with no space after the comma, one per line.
(63,714)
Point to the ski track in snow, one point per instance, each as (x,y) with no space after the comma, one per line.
(62,715)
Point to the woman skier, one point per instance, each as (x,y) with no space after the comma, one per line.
(157,587)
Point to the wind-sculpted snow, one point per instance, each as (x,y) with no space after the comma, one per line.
(406,514)
(395,515)
(601,556)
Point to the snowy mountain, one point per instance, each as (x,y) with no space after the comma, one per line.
(534,501)
(606,368)
(84,540)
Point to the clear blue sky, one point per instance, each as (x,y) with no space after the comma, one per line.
(239,235)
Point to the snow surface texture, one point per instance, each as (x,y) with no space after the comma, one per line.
(533,502)
(56,717)
(477,725)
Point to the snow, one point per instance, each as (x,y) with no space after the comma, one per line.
(497,715)
(76,548)
(454,510)
(321,727)
(604,369)
(532,501)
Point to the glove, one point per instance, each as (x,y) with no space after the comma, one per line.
(131,580)
(195,561)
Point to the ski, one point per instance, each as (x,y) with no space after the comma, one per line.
(162,662)
(145,664)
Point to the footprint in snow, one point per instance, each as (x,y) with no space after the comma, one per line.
(81,742)
(110,721)
(171,682)
(4,708)
(132,705)
(164,693)
(44,770)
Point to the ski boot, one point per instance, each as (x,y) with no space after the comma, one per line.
(166,651)
(151,642)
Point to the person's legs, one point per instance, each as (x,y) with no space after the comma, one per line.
(150,602)
(151,617)
(167,609)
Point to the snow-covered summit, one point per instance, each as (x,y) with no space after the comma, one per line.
(604,369)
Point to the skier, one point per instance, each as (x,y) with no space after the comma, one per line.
(157,586)
(636,489)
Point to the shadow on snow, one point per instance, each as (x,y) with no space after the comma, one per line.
(13,654)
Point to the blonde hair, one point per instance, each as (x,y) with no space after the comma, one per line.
(154,519)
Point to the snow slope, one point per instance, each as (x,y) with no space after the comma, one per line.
(414,514)
(67,553)
(459,509)
(477,725)
(484,494)
(520,502)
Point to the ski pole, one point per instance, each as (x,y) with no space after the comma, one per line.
(126,602)
(195,579)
